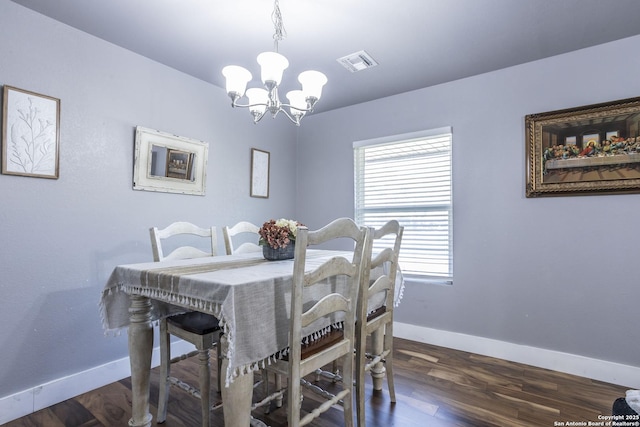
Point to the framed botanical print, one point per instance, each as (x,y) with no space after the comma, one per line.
(30,133)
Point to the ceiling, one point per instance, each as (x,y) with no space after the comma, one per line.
(417,43)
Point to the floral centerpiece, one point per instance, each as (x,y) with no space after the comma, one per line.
(277,238)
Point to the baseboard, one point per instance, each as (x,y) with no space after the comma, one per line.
(28,401)
(601,370)
(42,396)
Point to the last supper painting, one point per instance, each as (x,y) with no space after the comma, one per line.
(586,150)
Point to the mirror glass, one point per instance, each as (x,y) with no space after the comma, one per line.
(169,163)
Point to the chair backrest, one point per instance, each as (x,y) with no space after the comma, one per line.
(182,252)
(239,228)
(386,260)
(341,298)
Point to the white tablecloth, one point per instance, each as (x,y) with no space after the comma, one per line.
(580,162)
(250,296)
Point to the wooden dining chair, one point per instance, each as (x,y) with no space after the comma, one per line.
(200,329)
(244,228)
(304,358)
(385,243)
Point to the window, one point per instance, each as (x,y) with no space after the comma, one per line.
(408,178)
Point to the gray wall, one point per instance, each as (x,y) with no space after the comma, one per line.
(60,239)
(554,273)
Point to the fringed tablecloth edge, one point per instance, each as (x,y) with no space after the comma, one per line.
(158,295)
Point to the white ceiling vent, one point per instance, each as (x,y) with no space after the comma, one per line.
(357,61)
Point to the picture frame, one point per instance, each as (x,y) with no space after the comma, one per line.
(30,134)
(179,164)
(588,150)
(260,160)
(169,163)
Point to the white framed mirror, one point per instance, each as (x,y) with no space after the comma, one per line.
(169,163)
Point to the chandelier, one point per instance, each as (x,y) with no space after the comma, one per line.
(272,65)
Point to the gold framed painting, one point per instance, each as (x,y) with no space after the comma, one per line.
(594,149)
(30,133)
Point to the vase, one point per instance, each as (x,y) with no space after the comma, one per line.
(277,254)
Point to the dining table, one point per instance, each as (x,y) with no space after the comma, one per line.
(248,294)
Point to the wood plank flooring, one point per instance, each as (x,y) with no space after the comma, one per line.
(435,386)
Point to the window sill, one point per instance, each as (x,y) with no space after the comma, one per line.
(422,280)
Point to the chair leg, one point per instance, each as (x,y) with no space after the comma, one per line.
(294,401)
(377,347)
(277,378)
(347,383)
(165,371)
(389,360)
(336,371)
(205,386)
(361,362)
(265,389)
(278,386)
(219,362)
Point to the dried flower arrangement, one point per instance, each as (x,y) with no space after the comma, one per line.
(278,234)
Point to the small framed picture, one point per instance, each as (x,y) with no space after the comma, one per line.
(179,164)
(30,133)
(259,173)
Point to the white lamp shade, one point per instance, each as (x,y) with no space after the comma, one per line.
(312,82)
(297,101)
(258,96)
(237,79)
(272,66)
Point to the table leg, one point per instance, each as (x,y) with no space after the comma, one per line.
(140,348)
(377,346)
(236,398)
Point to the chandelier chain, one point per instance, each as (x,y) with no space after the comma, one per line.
(278,25)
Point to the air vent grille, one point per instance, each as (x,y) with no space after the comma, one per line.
(357,61)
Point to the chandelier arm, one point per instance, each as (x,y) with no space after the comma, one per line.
(306,110)
(235,104)
(281,106)
(295,120)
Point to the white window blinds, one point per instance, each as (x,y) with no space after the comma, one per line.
(408,178)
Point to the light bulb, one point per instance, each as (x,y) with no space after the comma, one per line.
(297,101)
(237,79)
(272,66)
(260,97)
(312,82)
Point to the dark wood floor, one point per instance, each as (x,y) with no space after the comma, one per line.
(435,386)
